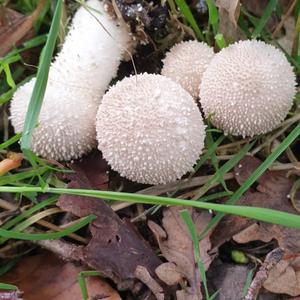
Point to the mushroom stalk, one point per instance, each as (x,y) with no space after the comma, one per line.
(78,78)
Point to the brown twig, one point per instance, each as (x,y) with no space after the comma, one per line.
(272,259)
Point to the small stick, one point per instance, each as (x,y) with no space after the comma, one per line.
(272,259)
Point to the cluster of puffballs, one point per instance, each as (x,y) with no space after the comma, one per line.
(149,126)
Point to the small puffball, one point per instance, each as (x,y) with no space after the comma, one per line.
(78,78)
(186,62)
(149,129)
(248,88)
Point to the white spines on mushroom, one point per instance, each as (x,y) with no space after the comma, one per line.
(78,78)
(186,62)
(149,129)
(248,88)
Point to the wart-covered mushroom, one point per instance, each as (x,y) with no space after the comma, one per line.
(186,62)
(78,78)
(149,129)
(248,88)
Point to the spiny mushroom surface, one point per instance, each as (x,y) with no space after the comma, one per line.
(77,80)
(248,88)
(149,129)
(186,62)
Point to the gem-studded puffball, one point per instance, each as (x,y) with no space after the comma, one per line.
(186,62)
(149,129)
(248,88)
(77,80)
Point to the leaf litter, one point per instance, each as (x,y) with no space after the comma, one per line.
(45,276)
(272,192)
(176,246)
(119,252)
(115,249)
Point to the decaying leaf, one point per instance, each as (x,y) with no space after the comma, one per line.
(46,277)
(168,273)
(229,279)
(272,192)
(229,11)
(232,7)
(176,246)
(285,278)
(15,27)
(115,250)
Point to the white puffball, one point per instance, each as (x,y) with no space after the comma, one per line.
(149,129)
(77,80)
(186,62)
(248,88)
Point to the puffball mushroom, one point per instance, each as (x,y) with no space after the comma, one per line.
(186,62)
(248,88)
(78,78)
(149,129)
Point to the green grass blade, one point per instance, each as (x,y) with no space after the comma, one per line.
(264,19)
(224,169)
(213,15)
(27,213)
(209,152)
(8,287)
(194,236)
(81,280)
(185,10)
(10,234)
(15,178)
(38,93)
(213,158)
(256,213)
(256,174)
(11,141)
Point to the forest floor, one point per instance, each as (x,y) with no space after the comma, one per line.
(159,242)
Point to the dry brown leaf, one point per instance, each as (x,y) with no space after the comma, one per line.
(232,7)
(46,277)
(272,192)
(15,27)
(285,278)
(229,11)
(168,273)
(13,161)
(115,249)
(176,246)
(229,279)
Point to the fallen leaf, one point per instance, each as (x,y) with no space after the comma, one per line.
(229,279)
(46,277)
(272,192)
(168,273)
(176,246)
(232,7)
(229,11)
(15,27)
(115,249)
(91,170)
(285,278)
(13,161)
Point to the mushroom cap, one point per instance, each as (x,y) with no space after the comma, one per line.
(248,88)
(66,129)
(149,129)
(186,62)
(77,80)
